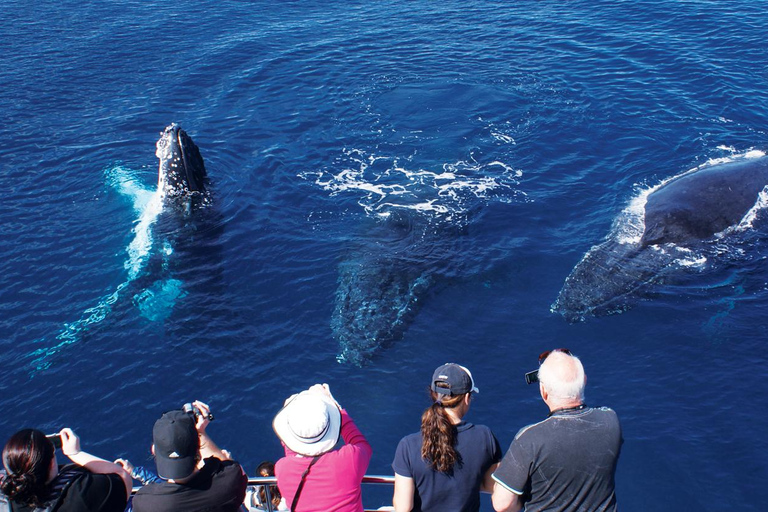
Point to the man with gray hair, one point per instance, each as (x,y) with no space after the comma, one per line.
(568,461)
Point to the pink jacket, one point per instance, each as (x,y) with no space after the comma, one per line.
(333,483)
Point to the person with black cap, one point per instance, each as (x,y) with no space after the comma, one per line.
(446,464)
(196,474)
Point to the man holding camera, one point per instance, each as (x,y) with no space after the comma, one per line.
(196,474)
(568,461)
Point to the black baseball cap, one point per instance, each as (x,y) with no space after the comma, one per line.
(176,445)
(458,379)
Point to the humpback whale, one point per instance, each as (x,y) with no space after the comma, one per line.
(182,176)
(412,241)
(382,283)
(182,188)
(683,216)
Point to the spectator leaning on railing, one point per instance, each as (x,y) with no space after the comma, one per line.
(34,482)
(568,460)
(196,474)
(449,461)
(312,476)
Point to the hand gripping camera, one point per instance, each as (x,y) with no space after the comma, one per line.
(194,411)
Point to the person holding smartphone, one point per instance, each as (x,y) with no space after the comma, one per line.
(568,460)
(34,481)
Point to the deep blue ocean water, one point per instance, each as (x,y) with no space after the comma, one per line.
(504,138)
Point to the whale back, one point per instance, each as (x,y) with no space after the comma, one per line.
(698,204)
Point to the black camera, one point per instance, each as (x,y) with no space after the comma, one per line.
(55,439)
(532,377)
(194,411)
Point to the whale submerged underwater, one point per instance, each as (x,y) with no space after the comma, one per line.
(414,239)
(665,229)
(181,191)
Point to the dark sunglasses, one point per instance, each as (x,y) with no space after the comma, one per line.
(533,376)
(544,355)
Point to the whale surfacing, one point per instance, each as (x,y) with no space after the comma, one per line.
(681,215)
(181,174)
(182,187)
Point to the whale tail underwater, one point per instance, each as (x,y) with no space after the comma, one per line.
(182,188)
(669,227)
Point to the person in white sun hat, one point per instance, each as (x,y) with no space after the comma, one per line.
(313,476)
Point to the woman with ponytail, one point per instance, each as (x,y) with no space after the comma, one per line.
(34,482)
(446,464)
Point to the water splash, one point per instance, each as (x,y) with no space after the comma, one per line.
(147,204)
(156,302)
(383,184)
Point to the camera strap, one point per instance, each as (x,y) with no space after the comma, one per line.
(301,484)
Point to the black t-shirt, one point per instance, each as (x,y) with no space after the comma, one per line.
(218,487)
(459,489)
(566,462)
(86,492)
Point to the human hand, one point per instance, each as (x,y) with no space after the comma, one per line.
(202,419)
(325,390)
(125,464)
(70,443)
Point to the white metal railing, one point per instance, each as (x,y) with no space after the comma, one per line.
(266,481)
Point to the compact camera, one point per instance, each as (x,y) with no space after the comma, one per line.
(55,439)
(194,411)
(532,377)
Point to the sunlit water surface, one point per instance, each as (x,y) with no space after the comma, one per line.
(481,146)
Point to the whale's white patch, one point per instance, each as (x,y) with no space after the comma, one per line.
(147,204)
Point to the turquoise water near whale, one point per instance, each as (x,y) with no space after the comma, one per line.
(505,137)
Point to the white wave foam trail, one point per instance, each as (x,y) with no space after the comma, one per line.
(147,204)
(383,184)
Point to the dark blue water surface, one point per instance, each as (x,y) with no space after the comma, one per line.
(482,146)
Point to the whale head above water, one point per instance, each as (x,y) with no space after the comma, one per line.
(181,176)
(677,225)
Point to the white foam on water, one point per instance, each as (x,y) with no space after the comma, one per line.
(629,226)
(688,258)
(147,204)
(503,137)
(383,184)
(749,218)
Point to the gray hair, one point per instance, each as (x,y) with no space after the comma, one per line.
(562,377)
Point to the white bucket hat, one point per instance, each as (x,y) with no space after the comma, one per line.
(309,423)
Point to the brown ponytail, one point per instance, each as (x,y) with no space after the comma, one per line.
(27,458)
(439,433)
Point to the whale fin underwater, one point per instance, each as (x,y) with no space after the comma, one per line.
(182,188)
(414,239)
(381,286)
(664,230)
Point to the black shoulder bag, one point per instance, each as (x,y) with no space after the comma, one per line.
(301,484)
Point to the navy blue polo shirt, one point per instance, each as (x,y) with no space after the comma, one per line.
(459,489)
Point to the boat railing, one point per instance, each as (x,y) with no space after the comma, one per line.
(266,481)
